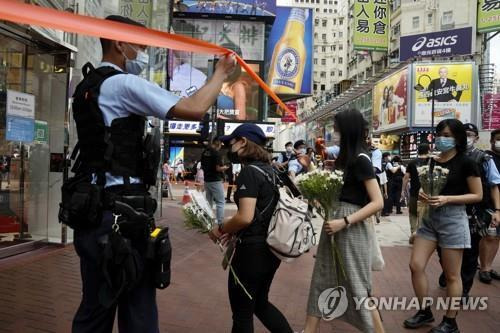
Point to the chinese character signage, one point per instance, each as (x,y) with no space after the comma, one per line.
(390,102)
(371,25)
(437,44)
(137,10)
(453,92)
(488,15)
(290,117)
(289,52)
(225,7)
(491,111)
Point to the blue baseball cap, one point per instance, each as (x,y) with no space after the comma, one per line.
(247,130)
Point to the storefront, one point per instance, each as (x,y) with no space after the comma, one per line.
(34,76)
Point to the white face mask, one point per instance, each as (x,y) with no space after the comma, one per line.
(470,142)
(289,149)
(497,145)
(137,65)
(302,151)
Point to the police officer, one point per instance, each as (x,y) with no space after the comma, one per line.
(119,100)
(285,157)
(490,179)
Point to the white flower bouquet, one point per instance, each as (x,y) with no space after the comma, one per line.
(199,216)
(322,189)
(432,182)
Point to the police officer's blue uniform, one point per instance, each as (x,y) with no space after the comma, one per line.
(120,96)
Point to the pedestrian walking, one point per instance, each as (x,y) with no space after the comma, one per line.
(253,262)
(447,225)
(411,177)
(350,228)
(112,102)
(233,173)
(167,186)
(199,179)
(396,171)
(213,173)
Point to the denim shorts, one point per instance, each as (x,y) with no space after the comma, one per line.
(448,226)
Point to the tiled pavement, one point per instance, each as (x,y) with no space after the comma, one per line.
(40,291)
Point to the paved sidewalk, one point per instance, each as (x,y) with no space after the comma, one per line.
(40,292)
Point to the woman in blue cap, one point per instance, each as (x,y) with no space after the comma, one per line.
(253,262)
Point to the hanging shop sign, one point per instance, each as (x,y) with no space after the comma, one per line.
(371,25)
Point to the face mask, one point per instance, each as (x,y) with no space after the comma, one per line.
(336,138)
(470,142)
(137,65)
(444,144)
(302,151)
(289,149)
(497,145)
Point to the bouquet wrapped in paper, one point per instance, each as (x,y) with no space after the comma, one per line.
(199,216)
(432,182)
(322,189)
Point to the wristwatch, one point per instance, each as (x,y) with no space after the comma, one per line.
(347,223)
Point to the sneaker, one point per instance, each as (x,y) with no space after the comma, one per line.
(448,325)
(485,277)
(442,281)
(228,201)
(399,213)
(494,275)
(378,220)
(421,318)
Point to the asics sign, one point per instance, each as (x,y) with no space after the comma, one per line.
(438,44)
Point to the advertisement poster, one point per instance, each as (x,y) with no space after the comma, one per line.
(225,7)
(240,97)
(491,111)
(488,16)
(442,44)
(453,93)
(390,102)
(289,52)
(371,25)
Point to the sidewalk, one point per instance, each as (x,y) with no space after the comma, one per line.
(40,292)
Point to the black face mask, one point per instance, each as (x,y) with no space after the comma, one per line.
(233,157)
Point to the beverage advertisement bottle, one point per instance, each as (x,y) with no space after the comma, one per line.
(289,56)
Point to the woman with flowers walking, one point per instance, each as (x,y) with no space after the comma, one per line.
(344,257)
(456,182)
(253,263)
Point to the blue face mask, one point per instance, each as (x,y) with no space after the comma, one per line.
(444,144)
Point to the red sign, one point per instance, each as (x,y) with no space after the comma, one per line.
(491,111)
(290,117)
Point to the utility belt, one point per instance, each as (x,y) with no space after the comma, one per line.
(82,207)
(479,221)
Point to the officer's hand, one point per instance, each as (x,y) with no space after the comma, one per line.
(226,65)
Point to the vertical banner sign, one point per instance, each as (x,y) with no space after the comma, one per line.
(292,116)
(453,93)
(371,25)
(491,111)
(289,52)
(488,16)
(137,10)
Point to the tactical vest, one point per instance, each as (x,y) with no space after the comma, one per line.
(480,158)
(119,149)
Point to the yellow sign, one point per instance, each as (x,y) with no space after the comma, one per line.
(390,104)
(453,92)
(371,25)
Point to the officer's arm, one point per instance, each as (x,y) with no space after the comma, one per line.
(195,106)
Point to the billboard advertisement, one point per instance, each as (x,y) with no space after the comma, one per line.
(488,16)
(371,25)
(390,102)
(289,52)
(269,129)
(453,93)
(442,44)
(226,7)
(240,97)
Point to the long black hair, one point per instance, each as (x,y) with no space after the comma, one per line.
(457,129)
(353,129)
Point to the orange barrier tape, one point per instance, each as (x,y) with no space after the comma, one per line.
(18,12)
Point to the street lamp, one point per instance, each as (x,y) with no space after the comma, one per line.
(420,88)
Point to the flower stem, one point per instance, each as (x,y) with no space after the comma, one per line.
(238,282)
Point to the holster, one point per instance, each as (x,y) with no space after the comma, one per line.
(159,252)
(133,223)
